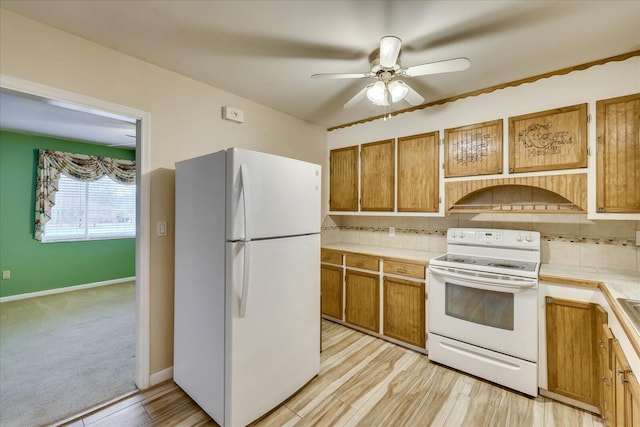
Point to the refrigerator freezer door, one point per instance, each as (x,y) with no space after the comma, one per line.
(281,196)
(273,350)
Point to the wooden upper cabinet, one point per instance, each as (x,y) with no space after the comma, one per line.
(377,171)
(618,154)
(343,179)
(418,185)
(473,149)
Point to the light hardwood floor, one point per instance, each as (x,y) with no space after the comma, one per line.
(363,381)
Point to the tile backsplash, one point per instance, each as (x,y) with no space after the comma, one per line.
(569,239)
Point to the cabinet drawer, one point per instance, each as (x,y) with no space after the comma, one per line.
(330,256)
(363,262)
(404,269)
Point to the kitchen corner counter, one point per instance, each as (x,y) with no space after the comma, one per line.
(614,284)
(384,251)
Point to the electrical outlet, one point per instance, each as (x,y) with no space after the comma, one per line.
(6,274)
(392,231)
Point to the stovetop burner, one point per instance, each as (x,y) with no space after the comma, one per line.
(504,265)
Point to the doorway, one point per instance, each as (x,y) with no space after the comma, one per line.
(142,338)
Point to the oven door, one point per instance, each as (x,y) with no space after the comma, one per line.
(488,310)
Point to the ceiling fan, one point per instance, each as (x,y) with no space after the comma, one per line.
(386,69)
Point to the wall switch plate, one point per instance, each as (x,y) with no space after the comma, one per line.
(162,228)
(233,114)
(6,274)
(392,231)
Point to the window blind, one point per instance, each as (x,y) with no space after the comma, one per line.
(92,210)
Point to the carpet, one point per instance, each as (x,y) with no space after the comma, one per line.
(61,354)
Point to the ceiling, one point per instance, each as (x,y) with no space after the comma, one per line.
(266,51)
(28,113)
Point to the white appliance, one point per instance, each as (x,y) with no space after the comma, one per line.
(247,281)
(483,306)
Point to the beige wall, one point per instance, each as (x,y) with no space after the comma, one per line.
(185,122)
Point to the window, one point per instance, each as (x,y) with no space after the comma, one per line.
(83,210)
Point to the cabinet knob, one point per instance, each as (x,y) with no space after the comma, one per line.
(549,300)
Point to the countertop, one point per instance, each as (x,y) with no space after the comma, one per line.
(384,251)
(613,283)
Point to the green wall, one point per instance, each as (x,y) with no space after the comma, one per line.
(37,266)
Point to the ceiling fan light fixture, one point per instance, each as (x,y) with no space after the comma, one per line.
(398,90)
(377,93)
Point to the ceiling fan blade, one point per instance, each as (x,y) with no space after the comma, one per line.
(446,66)
(358,97)
(412,97)
(389,51)
(341,76)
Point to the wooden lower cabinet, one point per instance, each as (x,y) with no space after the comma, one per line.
(605,343)
(571,349)
(331,288)
(363,300)
(626,390)
(404,310)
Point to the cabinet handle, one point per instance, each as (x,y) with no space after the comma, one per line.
(604,382)
(622,378)
(359,264)
(401,270)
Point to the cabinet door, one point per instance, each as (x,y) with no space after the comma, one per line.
(377,176)
(632,402)
(331,287)
(418,173)
(618,154)
(403,311)
(605,374)
(571,349)
(363,300)
(620,372)
(343,179)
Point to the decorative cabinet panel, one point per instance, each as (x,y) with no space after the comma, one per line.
(418,173)
(377,176)
(548,140)
(618,155)
(343,179)
(473,150)
(331,288)
(363,300)
(571,349)
(404,310)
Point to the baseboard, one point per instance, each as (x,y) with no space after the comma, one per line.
(568,401)
(158,377)
(66,289)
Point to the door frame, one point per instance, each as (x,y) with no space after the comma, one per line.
(143,196)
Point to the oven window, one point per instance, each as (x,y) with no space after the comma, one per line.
(488,308)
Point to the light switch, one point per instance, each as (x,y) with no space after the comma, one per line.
(162,229)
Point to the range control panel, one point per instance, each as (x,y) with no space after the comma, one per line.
(497,237)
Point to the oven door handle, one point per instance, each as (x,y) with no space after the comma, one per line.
(493,283)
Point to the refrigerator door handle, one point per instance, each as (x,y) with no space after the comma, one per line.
(246,200)
(245,280)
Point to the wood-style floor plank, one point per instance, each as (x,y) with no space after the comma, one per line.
(363,381)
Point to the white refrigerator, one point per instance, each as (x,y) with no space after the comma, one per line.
(247,281)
